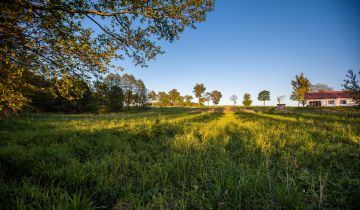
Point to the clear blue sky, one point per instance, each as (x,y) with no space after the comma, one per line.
(246,46)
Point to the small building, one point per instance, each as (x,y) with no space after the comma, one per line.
(280,106)
(329,98)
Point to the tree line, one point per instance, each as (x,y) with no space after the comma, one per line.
(76,95)
(247,101)
(174,98)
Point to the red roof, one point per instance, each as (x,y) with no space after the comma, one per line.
(327,95)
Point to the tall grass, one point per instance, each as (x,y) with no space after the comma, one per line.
(180,159)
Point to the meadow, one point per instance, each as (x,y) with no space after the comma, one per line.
(182,158)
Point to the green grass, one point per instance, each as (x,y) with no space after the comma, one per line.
(182,158)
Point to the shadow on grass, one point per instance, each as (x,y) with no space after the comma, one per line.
(83,163)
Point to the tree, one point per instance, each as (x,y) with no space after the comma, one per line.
(11,99)
(101,101)
(199,89)
(141,93)
(301,85)
(351,85)
(50,38)
(116,98)
(188,99)
(280,99)
(216,97)
(152,96)
(207,98)
(180,100)
(247,99)
(163,98)
(111,93)
(264,96)
(321,87)
(128,84)
(173,96)
(202,101)
(72,96)
(114,93)
(234,98)
(113,80)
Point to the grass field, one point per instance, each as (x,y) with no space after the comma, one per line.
(179,158)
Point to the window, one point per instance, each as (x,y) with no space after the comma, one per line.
(342,101)
(315,103)
(332,102)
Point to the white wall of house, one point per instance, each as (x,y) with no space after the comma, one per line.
(333,102)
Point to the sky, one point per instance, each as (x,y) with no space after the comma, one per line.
(246,46)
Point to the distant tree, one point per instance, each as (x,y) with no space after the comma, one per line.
(173,96)
(301,85)
(247,99)
(109,93)
(152,96)
(113,80)
(163,98)
(180,100)
(100,96)
(351,85)
(216,97)
(188,99)
(199,90)
(128,83)
(140,93)
(202,101)
(207,97)
(264,96)
(280,99)
(234,99)
(128,96)
(76,97)
(116,98)
(321,87)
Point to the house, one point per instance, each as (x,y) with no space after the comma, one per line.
(329,98)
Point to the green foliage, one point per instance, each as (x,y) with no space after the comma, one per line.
(216,97)
(173,96)
(114,91)
(247,99)
(11,81)
(180,100)
(152,96)
(116,98)
(352,85)
(163,98)
(301,85)
(49,38)
(188,99)
(182,158)
(199,90)
(264,96)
